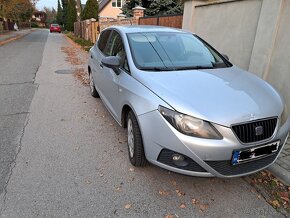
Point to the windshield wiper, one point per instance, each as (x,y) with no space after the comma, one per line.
(194,68)
(157,68)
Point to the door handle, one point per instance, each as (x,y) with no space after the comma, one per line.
(92,57)
(101,65)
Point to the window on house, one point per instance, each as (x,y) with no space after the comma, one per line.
(117,3)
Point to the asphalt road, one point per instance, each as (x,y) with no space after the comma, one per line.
(19,62)
(73,159)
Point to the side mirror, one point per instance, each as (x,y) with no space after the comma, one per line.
(226,57)
(112,62)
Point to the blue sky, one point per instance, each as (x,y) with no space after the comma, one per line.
(50,3)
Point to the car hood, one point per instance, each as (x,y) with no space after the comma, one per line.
(223,96)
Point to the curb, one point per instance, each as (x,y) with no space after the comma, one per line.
(15,38)
(280,173)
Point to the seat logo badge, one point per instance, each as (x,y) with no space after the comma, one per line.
(259,130)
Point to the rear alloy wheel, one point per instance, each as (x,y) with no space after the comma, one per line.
(94,92)
(135,143)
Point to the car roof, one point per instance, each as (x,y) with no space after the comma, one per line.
(146,28)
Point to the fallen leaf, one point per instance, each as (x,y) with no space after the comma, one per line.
(284,194)
(264,173)
(101,174)
(162,192)
(275,203)
(259,196)
(169,216)
(119,150)
(203,207)
(194,201)
(77,148)
(182,206)
(285,199)
(88,181)
(118,189)
(253,190)
(131,169)
(128,206)
(179,193)
(173,183)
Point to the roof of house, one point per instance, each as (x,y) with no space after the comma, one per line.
(103,3)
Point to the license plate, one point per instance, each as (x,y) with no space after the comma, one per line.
(245,155)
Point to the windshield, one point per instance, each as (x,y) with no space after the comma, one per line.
(172,51)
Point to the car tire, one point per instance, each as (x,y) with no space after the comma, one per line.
(135,142)
(94,92)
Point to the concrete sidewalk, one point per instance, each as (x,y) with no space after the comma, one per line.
(281,168)
(13,35)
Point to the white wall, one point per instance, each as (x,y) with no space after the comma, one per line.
(255,34)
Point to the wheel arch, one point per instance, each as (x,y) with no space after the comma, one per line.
(125,110)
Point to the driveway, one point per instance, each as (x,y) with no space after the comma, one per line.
(73,161)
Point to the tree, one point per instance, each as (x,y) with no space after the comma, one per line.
(18,10)
(164,7)
(129,5)
(71,15)
(154,7)
(50,15)
(91,10)
(64,4)
(59,19)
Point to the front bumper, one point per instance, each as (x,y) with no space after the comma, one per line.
(209,157)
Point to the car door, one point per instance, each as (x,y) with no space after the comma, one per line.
(108,80)
(96,55)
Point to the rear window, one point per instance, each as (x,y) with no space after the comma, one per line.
(54,25)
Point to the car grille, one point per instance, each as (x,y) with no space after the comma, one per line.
(226,168)
(247,132)
(165,157)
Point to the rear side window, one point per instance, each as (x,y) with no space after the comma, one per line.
(103,40)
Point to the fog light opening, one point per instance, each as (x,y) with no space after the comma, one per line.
(179,160)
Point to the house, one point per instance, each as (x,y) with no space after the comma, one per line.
(110,8)
(39,17)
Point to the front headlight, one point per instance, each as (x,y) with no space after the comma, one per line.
(189,125)
(284,116)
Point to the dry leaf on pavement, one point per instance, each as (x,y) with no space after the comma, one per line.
(163,193)
(179,193)
(169,216)
(203,207)
(275,203)
(128,206)
(194,201)
(182,206)
(173,183)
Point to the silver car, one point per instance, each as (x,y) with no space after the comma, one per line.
(186,107)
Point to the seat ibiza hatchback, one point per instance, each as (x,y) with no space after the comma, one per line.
(186,107)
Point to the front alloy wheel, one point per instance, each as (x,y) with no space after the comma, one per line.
(135,143)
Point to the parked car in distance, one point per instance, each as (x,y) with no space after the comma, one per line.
(185,106)
(55,28)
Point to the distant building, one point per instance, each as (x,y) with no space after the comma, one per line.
(110,8)
(39,17)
